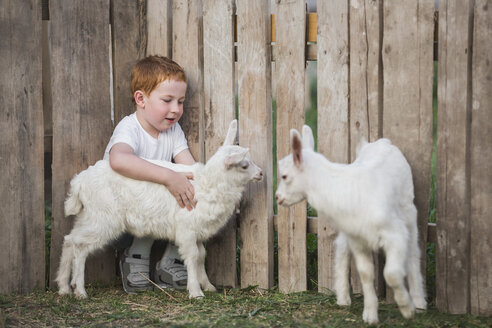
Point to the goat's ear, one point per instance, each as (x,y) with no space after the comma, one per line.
(296,145)
(231,133)
(307,138)
(235,158)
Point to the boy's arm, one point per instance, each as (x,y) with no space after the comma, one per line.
(184,157)
(124,161)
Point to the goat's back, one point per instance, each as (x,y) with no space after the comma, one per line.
(388,168)
(105,191)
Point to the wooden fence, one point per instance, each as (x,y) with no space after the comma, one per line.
(375,73)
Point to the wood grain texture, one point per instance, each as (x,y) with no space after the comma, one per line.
(407,105)
(219,106)
(452,176)
(255,132)
(480,162)
(81,111)
(187,48)
(159,27)
(333,112)
(365,91)
(290,80)
(21,148)
(129,41)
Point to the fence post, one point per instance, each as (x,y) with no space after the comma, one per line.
(452,178)
(407,105)
(219,95)
(290,43)
(21,148)
(188,52)
(81,111)
(481,163)
(333,113)
(255,132)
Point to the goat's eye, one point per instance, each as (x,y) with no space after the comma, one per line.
(244,165)
(284,177)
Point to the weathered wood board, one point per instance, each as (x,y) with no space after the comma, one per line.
(81,111)
(333,113)
(290,75)
(452,176)
(407,94)
(219,106)
(22,247)
(255,126)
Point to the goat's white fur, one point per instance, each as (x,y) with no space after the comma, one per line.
(106,204)
(370,203)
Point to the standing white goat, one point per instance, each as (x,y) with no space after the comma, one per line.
(106,204)
(370,203)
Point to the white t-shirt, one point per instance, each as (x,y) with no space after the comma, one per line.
(129,131)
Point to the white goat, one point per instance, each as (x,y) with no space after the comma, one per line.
(106,204)
(370,203)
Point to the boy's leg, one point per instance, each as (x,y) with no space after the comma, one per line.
(134,263)
(171,269)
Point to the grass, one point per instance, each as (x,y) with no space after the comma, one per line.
(250,307)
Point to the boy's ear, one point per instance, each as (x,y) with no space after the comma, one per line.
(139,98)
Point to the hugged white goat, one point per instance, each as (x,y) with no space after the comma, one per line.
(106,204)
(370,203)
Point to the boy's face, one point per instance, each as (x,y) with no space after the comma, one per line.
(163,107)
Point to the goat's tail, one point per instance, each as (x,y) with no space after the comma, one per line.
(73,205)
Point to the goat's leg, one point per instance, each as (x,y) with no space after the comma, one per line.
(63,276)
(85,240)
(342,265)
(81,253)
(202,274)
(365,267)
(415,279)
(394,274)
(188,249)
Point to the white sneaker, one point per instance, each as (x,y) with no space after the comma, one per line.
(132,268)
(171,271)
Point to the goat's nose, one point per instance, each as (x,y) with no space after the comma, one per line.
(276,196)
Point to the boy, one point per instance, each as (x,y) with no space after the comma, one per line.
(158,85)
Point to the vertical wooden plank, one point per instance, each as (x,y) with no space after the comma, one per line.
(454,87)
(290,94)
(333,112)
(188,52)
(255,132)
(407,112)
(159,27)
(219,89)
(81,111)
(481,159)
(129,39)
(365,92)
(21,148)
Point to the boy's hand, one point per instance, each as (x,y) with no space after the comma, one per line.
(182,189)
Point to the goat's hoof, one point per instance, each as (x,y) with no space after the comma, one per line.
(344,301)
(210,288)
(370,317)
(64,291)
(420,305)
(196,295)
(80,294)
(408,311)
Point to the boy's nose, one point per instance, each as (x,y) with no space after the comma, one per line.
(175,107)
